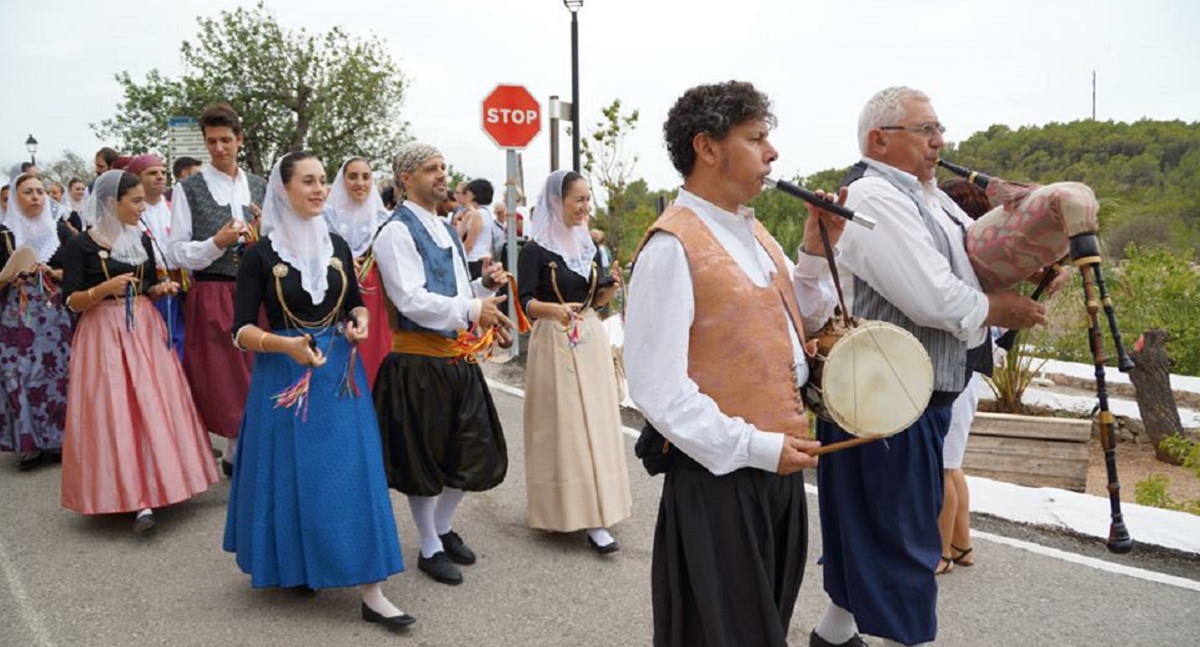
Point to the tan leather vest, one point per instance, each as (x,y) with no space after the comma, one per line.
(739,351)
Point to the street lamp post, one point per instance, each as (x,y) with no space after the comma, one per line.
(31,146)
(574,6)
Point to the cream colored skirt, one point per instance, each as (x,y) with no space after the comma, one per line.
(575,474)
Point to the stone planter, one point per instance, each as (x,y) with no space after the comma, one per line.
(1036,451)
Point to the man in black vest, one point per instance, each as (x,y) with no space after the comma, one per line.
(880,502)
(215,212)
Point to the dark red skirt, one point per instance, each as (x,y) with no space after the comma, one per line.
(219,373)
(378,343)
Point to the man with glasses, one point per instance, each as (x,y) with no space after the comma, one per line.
(879,503)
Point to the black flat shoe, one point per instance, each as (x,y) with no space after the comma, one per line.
(606,549)
(457,550)
(815,640)
(227,468)
(31,462)
(401,621)
(144,524)
(440,568)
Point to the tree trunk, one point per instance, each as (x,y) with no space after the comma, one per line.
(1152,387)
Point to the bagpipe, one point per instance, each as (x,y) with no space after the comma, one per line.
(1032,229)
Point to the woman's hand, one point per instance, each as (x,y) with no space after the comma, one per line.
(616,274)
(356,328)
(116,285)
(164,289)
(55,275)
(304,351)
(566,312)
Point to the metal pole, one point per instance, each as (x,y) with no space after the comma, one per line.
(575,90)
(554,132)
(510,201)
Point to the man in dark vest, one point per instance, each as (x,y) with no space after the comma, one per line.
(441,433)
(880,502)
(213,213)
(714,352)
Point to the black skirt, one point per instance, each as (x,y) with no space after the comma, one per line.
(729,554)
(439,426)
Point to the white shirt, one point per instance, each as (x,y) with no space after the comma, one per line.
(233,192)
(158,220)
(659,317)
(899,260)
(403,274)
(483,242)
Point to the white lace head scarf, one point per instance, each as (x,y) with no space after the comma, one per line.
(549,231)
(101,208)
(355,221)
(301,242)
(39,230)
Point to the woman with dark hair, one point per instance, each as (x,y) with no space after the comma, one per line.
(74,199)
(575,475)
(308,506)
(355,211)
(35,328)
(476,225)
(134,441)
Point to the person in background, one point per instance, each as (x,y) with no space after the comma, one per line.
(104,160)
(4,191)
(55,190)
(74,200)
(475,225)
(134,440)
(35,328)
(599,239)
(181,169)
(308,505)
(575,474)
(156,221)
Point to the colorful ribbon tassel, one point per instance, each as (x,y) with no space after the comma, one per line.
(295,396)
(349,386)
(130,323)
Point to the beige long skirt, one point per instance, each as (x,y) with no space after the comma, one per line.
(575,474)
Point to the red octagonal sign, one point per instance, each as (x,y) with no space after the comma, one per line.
(511,116)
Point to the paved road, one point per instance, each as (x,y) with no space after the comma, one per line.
(67,580)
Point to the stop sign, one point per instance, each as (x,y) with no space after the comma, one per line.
(511,116)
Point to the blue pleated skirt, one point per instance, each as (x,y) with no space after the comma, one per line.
(309,501)
(879,509)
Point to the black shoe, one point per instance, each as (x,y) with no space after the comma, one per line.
(32,461)
(814,640)
(457,550)
(606,549)
(401,621)
(55,456)
(440,568)
(227,468)
(144,524)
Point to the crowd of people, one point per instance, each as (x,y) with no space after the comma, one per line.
(331,333)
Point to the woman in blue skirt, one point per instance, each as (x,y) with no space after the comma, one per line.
(309,504)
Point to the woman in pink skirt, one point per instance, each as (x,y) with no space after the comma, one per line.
(133,438)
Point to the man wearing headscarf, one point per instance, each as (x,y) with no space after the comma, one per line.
(441,433)
(714,348)
(156,222)
(214,214)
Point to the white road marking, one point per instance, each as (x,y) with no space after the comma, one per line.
(1091,562)
(25,606)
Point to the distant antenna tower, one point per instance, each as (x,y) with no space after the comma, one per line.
(1093,95)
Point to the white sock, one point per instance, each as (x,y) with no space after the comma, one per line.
(443,514)
(600,536)
(230,450)
(837,625)
(144,512)
(423,513)
(373,597)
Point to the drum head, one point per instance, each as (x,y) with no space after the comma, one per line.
(877,380)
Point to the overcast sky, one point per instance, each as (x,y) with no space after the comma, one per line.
(1013,62)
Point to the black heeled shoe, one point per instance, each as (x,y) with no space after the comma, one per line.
(606,549)
(401,621)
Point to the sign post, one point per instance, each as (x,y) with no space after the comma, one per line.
(512,118)
(185,138)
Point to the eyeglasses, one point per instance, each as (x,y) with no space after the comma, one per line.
(929,129)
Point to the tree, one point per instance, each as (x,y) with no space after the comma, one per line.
(330,93)
(71,165)
(604,159)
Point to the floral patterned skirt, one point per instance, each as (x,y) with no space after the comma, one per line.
(35,349)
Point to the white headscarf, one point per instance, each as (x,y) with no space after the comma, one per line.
(101,208)
(574,244)
(301,242)
(39,231)
(70,203)
(352,220)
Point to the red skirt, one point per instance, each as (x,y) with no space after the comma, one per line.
(378,343)
(133,437)
(217,371)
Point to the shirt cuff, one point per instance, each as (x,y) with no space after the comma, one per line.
(765,449)
(211,251)
(812,265)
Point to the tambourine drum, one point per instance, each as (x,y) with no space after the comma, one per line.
(873,379)
(1030,230)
